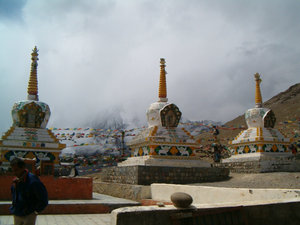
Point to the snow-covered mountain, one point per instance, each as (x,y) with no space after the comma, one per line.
(90,141)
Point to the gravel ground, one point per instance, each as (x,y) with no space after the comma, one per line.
(259,180)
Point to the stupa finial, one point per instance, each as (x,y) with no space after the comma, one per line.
(33,83)
(258,98)
(162,92)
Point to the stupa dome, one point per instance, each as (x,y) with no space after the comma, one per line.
(30,113)
(260,117)
(153,113)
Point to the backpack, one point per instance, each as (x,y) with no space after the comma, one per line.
(40,200)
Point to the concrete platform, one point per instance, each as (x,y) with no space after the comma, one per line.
(219,195)
(99,204)
(273,212)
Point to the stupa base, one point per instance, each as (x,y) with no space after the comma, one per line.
(167,161)
(146,170)
(261,162)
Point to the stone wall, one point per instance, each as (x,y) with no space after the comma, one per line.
(146,175)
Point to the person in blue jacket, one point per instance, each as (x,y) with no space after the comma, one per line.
(29,195)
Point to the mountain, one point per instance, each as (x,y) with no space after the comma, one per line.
(285,105)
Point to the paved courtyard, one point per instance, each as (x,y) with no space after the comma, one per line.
(70,219)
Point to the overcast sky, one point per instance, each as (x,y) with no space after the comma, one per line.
(101,57)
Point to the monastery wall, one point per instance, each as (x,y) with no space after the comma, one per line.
(58,188)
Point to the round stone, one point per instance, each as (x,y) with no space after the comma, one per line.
(181,199)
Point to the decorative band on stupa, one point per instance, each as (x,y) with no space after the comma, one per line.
(162,92)
(33,83)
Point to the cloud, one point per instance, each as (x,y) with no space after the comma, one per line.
(103,56)
(11,10)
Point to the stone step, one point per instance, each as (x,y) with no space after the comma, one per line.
(99,204)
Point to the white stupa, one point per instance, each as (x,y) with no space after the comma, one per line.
(261,142)
(163,142)
(28,136)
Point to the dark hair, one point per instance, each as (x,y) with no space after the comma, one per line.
(18,162)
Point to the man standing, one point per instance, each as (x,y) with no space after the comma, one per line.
(215,133)
(29,195)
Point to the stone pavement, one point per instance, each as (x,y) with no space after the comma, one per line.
(65,219)
(100,204)
(80,219)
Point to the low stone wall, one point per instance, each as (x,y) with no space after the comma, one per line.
(58,188)
(240,167)
(146,175)
(261,162)
(262,166)
(127,191)
(261,213)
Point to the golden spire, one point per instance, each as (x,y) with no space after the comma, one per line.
(162,92)
(258,98)
(33,83)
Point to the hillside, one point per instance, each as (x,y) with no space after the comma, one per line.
(286,106)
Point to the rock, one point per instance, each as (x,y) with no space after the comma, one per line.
(181,199)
